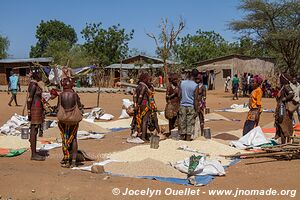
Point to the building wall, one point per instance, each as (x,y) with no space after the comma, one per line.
(238,66)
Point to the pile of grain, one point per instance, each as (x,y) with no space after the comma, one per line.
(146,167)
(168,151)
(13,142)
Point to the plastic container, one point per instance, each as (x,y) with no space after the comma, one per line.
(207,133)
(24,133)
(154,142)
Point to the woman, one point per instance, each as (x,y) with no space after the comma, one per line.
(68,101)
(145,108)
(283,117)
(173,101)
(255,106)
(200,101)
(35,112)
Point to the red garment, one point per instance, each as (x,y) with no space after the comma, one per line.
(160,80)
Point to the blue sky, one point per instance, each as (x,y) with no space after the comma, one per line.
(19,18)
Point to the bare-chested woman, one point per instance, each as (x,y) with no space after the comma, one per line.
(35,112)
(173,101)
(68,99)
(145,107)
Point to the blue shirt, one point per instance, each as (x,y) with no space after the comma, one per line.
(13,82)
(188,88)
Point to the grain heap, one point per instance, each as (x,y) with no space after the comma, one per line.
(146,167)
(168,151)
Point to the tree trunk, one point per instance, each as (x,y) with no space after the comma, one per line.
(166,74)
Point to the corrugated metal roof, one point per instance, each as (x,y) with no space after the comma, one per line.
(133,66)
(26,60)
(150,57)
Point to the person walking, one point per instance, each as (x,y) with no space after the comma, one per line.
(187,110)
(13,87)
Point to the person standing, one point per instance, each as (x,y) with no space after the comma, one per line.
(201,101)
(35,112)
(144,106)
(172,98)
(283,117)
(187,110)
(69,116)
(13,87)
(244,85)
(255,106)
(235,87)
(161,85)
(296,100)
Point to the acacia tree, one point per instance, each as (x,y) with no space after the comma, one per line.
(166,41)
(4,44)
(55,33)
(275,24)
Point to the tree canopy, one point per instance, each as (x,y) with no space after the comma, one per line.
(106,46)
(276,25)
(4,44)
(52,32)
(201,46)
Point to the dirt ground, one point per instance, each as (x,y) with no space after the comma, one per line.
(21,178)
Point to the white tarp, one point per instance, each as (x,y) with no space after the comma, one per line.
(14,123)
(254,138)
(83,135)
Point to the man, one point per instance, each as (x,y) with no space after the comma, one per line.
(235,87)
(187,110)
(201,101)
(296,88)
(13,87)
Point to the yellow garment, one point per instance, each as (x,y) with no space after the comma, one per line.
(255,99)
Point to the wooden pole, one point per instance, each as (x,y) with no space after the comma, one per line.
(98,95)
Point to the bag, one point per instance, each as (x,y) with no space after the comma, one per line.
(291,106)
(69,116)
(170,111)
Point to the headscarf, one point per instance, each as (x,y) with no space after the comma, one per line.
(258,79)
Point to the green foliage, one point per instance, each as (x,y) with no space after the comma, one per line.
(4,44)
(106,46)
(246,46)
(201,46)
(63,53)
(276,25)
(55,33)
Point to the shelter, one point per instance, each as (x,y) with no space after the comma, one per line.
(130,67)
(218,69)
(21,67)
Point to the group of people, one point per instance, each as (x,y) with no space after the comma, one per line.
(287,104)
(186,99)
(68,118)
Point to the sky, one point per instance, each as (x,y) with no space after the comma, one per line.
(19,18)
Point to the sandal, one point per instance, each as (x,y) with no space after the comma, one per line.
(65,165)
(73,164)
